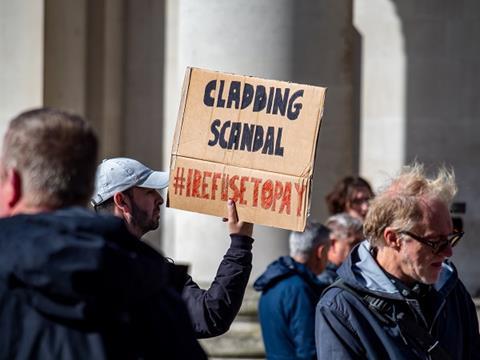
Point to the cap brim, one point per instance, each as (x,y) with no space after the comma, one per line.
(156,180)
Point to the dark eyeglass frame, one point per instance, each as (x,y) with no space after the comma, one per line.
(436,246)
(360,201)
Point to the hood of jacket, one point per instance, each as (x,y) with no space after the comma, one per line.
(361,271)
(283,268)
(70,264)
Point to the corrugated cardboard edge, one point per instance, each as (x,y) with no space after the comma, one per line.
(181,110)
(179,125)
(314,156)
(317,131)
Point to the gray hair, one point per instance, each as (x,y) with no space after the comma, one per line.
(343,225)
(55,153)
(303,243)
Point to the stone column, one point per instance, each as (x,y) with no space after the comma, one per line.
(307,42)
(21,57)
(382,89)
(420,85)
(66,54)
(84,64)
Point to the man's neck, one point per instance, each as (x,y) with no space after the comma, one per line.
(25,208)
(388,260)
(311,263)
(129,222)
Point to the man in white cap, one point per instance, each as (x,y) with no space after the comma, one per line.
(128,189)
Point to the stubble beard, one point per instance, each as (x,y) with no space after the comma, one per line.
(142,220)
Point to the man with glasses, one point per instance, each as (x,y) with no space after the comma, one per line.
(398,296)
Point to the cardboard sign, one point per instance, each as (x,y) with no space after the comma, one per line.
(248,139)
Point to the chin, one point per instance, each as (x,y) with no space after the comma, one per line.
(430,279)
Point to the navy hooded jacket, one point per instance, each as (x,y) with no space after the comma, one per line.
(347,329)
(75,285)
(290,292)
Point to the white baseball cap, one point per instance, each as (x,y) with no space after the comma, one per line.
(119,174)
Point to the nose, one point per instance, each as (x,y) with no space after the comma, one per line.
(447,251)
(158,198)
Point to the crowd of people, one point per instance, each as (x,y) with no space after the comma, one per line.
(374,281)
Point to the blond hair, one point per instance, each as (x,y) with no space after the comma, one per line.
(399,204)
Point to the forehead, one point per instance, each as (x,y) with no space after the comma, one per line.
(361,191)
(436,217)
(140,191)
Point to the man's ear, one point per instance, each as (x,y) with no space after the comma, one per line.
(332,248)
(12,188)
(320,250)
(122,202)
(391,238)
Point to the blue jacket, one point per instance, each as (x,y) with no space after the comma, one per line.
(290,292)
(347,329)
(75,285)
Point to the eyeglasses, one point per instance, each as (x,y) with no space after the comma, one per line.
(360,201)
(437,246)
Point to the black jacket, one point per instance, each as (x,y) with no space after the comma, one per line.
(74,285)
(212,311)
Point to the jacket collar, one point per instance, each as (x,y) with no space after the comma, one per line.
(362,271)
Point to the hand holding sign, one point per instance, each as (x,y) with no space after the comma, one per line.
(235,226)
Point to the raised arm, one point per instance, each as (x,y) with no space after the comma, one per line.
(212,311)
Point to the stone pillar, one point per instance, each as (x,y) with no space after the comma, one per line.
(382,89)
(105,73)
(66,54)
(420,85)
(307,42)
(144,87)
(84,64)
(21,58)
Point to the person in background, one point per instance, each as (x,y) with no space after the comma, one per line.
(128,189)
(74,285)
(290,290)
(352,195)
(398,296)
(345,232)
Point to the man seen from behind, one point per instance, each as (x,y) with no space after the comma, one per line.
(74,285)
(290,290)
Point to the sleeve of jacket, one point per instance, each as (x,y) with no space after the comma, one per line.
(335,337)
(212,311)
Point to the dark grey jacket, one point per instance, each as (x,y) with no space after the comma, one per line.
(212,311)
(347,329)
